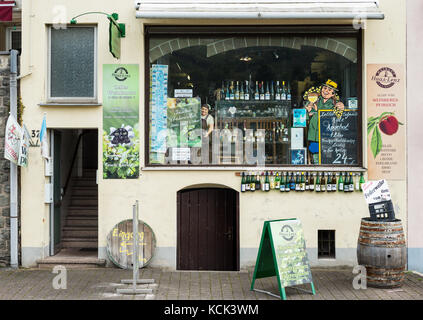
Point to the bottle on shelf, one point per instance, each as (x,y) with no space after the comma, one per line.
(287,183)
(302,182)
(247,90)
(267,182)
(333,182)
(288,93)
(277,181)
(261,85)
(272,180)
(307,181)
(329,184)
(252,183)
(247,182)
(237,91)
(278,91)
(257,92)
(267,92)
(351,185)
(241,91)
(272,91)
(258,182)
(292,182)
(228,94)
(262,182)
(311,181)
(282,183)
(232,92)
(357,183)
(341,182)
(222,91)
(243,182)
(283,94)
(297,182)
(323,182)
(347,183)
(362,181)
(318,182)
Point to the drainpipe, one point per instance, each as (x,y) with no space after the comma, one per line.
(13,166)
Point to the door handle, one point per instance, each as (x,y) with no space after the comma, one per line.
(228,234)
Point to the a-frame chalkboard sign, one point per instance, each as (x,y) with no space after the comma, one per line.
(282,254)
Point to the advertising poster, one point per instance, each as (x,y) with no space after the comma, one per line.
(291,257)
(386,127)
(183,122)
(158,129)
(121,139)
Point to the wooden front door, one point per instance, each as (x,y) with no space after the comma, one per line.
(208,230)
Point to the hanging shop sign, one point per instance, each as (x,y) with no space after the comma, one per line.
(282,253)
(121,121)
(386,127)
(12,139)
(120,244)
(338,137)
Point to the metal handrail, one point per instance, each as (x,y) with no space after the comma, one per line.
(73,162)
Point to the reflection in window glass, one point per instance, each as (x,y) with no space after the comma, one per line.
(267,100)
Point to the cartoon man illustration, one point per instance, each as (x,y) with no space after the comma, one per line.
(325,100)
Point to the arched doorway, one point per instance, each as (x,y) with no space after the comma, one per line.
(207,228)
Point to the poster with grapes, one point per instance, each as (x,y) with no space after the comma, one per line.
(121,140)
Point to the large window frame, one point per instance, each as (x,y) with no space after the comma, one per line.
(73,100)
(249,30)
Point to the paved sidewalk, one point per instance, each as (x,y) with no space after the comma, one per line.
(101,284)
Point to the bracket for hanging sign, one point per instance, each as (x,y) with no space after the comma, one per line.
(116,31)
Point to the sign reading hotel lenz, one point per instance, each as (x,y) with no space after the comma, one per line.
(282,254)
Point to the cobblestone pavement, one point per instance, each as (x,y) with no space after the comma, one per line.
(101,284)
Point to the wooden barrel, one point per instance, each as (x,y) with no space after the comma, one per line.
(382,250)
(120,244)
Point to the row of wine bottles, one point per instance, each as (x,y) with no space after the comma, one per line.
(241,90)
(294,181)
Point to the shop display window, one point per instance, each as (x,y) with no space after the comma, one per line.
(278,99)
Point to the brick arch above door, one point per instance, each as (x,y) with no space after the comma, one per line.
(343,47)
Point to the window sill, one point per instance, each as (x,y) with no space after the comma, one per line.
(70,104)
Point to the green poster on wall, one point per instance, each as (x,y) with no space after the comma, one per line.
(282,253)
(121,138)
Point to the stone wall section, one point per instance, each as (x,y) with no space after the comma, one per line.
(4,164)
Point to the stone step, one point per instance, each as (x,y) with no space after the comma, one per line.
(84,182)
(83,211)
(81,220)
(82,232)
(79,242)
(71,262)
(81,201)
(91,191)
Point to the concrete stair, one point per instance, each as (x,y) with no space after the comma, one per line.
(81,225)
(73,258)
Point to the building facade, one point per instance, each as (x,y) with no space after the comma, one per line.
(193,202)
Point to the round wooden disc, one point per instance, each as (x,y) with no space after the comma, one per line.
(120,244)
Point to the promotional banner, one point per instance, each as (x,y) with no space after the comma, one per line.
(121,140)
(12,139)
(23,147)
(386,127)
(158,129)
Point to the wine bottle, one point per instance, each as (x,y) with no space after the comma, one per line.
(241,91)
(258,187)
(228,94)
(283,95)
(297,182)
(292,182)
(252,183)
(243,182)
(329,185)
(262,182)
(287,183)
(267,182)
(362,181)
(247,90)
(323,183)
(237,91)
(302,182)
(272,91)
(272,180)
(278,91)
(311,181)
(307,183)
(347,183)
(247,183)
(282,184)
(256,92)
(341,182)
(232,92)
(277,181)
(351,185)
(262,95)
(288,94)
(318,183)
